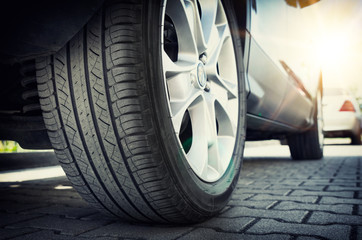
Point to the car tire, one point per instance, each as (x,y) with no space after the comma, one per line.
(308,145)
(110,103)
(356,138)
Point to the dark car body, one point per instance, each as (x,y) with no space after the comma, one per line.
(274,85)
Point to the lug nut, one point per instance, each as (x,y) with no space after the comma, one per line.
(207,87)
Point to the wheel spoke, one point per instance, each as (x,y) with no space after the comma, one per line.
(210,154)
(180,87)
(214,162)
(210,163)
(221,34)
(226,114)
(209,10)
(220,155)
(228,85)
(221,68)
(179,107)
(227,109)
(226,65)
(183,17)
(198,155)
(210,120)
(198,29)
(173,68)
(225,149)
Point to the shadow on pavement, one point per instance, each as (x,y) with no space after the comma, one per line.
(13,161)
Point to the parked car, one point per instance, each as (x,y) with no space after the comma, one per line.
(147,104)
(342,115)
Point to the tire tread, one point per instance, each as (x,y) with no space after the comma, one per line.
(96,110)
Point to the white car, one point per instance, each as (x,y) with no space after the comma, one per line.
(342,115)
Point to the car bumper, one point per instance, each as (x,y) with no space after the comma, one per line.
(341,124)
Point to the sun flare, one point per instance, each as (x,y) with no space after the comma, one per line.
(332,51)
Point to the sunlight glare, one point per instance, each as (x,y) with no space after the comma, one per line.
(331,51)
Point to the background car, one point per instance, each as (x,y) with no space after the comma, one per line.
(342,115)
(145,103)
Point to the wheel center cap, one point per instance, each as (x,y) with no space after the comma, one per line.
(201,75)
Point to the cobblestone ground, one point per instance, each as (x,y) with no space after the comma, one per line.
(276,198)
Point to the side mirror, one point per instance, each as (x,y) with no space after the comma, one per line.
(302,3)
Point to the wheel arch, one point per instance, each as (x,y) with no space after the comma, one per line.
(41,28)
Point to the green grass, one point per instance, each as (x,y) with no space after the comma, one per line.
(9,146)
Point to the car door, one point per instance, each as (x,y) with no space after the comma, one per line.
(299,62)
(266,77)
(278,93)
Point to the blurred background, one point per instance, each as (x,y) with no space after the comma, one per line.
(338,44)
